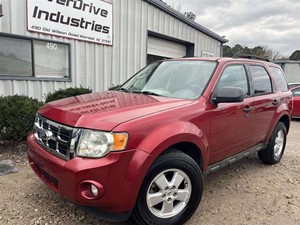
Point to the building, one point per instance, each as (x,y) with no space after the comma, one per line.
(50,44)
(291,70)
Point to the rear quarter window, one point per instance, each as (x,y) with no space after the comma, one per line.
(279,79)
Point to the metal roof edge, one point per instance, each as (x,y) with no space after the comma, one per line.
(186,20)
(287,61)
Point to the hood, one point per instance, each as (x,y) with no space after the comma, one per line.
(106,110)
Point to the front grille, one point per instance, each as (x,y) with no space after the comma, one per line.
(54,137)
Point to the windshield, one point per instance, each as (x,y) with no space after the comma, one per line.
(176,79)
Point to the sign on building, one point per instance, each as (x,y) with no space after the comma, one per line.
(207,54)
(88,20)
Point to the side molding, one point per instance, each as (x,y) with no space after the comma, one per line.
(232,159)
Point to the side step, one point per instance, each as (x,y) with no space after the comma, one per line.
(232,159)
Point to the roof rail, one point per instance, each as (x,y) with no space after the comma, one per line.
(249,56)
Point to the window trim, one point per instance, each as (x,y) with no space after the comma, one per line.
(33,77)
(275,80)
(248,77)
(252,83)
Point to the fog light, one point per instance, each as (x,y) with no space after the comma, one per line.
(90,190)
(94,190)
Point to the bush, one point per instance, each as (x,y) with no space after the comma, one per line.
(65,93)
(17,114)
(114,87)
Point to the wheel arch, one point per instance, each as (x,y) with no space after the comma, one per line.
(190,149)
(183,136)
(286,120)
(164,164)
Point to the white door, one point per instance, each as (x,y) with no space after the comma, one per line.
(164,48)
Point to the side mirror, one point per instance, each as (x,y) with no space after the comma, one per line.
(229,94)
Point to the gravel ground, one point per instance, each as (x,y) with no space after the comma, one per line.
(247,192)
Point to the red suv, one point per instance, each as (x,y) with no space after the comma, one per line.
(142,150)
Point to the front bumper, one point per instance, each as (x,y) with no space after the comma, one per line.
(118,176)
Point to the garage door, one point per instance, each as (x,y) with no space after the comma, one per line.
(164,48)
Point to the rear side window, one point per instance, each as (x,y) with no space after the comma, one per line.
(279,78)
(261,80)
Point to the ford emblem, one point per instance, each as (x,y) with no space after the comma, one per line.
(45,135)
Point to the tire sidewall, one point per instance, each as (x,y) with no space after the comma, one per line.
(280,127)
(187,165)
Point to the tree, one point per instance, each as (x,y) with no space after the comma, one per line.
(295,55)
(190,15)
(271,54)
(227,51)
(260,51)
(237,49)
(247,50)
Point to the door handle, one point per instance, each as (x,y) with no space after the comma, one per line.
(247,109)
(275,102)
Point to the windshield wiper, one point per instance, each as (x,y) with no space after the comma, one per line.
(123,89)
(146,93)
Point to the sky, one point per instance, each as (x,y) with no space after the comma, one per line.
(271,23)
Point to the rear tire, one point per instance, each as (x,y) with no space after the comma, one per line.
(171,190)
(275,149)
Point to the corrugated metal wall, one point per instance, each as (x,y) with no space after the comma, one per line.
(292,72)
(98,66)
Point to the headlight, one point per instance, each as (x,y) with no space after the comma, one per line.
(96,144)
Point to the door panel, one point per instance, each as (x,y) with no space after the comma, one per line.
(265,110)
(266,103)
(231,123)
(231,129)
(168,49)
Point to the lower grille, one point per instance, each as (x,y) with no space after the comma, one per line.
(47,177)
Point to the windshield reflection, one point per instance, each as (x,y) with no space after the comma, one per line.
(176,79)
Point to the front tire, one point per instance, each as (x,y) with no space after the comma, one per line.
(171,190)
(275,149)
